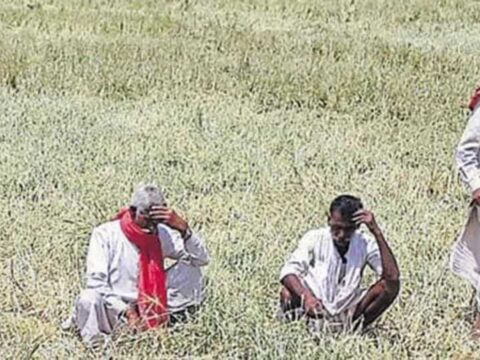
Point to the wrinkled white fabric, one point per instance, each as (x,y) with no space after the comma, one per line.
(111,278)
(468,152)
(319,266)
(465,255)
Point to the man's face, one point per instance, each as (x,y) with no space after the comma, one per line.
(341,229)
(141,219)
(146,221)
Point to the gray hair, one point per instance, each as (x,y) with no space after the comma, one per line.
(145,196)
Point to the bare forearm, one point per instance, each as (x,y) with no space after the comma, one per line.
(389,263)
(294,285)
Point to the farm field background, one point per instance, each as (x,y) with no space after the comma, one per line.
(252,115)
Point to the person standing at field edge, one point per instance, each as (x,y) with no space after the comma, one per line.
(126,282)
(321,279)
(465,256)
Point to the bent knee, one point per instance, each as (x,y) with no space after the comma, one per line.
(89,298)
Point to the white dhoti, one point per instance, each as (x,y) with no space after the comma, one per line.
(341,322)
(338,322)
(95,315)
(465,256)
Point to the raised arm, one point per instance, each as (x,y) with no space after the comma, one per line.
(467,155)
(197,252)
(178,241)
(382,293)
(176,247)
(390,271)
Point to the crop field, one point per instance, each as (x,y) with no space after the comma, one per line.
(252,115)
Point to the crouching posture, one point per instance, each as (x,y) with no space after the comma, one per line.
(126,281)
(321,280)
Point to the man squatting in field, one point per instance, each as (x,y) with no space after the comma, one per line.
(465,256)
(125,278)
(321,279)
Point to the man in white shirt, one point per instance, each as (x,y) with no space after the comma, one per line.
(112,276)
(321,279)
(465,256)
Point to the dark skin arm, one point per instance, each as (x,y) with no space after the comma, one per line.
(389,263)
(312,306)
(381,294)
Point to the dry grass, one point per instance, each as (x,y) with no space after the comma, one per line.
(253,115)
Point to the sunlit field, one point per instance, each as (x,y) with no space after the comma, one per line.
(252,115)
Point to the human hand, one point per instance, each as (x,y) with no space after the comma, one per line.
(313,307)
(134,320)
(366,217)
(168,217)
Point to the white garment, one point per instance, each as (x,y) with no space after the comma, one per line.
(465,256)
(112,272)
(468,152)
(319,266)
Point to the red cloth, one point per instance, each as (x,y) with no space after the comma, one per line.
(152,290)
(474,99)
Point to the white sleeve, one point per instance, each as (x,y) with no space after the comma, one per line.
(172,244)
(192,251)
(97,262)
(467,154)
(98,270)
(299,261)
(374,259)
(196,250)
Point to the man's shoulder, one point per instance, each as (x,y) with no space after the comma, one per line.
(364,239)
(316,235)
(107,228)
(322,232)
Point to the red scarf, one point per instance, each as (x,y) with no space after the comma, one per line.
(474,99)
(152,293)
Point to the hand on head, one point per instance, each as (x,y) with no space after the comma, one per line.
(347,215)
(366,217)
(165,215)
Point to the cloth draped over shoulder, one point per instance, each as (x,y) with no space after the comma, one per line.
(152,290)
(113,272)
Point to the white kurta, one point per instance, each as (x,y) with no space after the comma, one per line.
(465,256)
(112,272)
(319,266)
